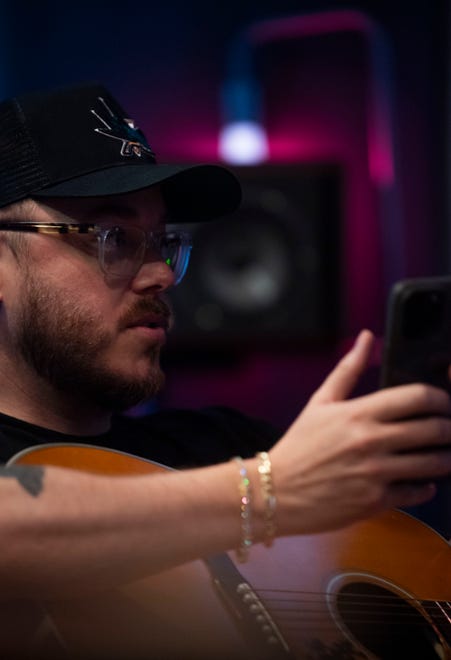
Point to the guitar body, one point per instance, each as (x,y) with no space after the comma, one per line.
(377,589)
(175,614)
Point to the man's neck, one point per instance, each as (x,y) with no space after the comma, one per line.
(35,401)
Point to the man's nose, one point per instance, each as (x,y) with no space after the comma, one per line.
(155,274)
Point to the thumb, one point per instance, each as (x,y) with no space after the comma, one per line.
(342,380)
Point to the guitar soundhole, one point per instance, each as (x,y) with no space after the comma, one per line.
(386,624)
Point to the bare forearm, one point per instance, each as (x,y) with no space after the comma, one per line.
(84,530)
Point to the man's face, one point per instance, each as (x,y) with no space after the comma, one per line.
(88,335)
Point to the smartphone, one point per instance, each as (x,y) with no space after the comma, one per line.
(417,342)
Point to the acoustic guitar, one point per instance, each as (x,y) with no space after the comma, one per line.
(376,589)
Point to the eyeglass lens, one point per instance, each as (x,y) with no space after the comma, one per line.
(124,250)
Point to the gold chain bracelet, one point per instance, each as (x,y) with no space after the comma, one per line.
(269,498)
(242,552)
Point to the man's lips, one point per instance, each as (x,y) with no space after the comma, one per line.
(150,321)
(149,328)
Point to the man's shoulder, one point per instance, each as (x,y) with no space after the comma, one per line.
(175,438)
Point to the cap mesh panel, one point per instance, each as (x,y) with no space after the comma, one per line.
(20,171)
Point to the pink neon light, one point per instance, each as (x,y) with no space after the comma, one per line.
(310,25)
(379,131)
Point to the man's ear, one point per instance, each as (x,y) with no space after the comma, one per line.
(4,248)
(8,265)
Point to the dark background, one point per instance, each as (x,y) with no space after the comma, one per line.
(344,232)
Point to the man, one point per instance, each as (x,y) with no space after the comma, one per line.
(86,260)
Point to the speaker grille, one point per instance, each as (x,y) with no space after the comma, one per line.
(271,271)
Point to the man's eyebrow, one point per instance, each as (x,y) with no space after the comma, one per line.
(30,477)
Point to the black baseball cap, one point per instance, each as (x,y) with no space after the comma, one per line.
(79,142)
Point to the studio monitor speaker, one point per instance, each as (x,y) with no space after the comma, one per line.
(269,274)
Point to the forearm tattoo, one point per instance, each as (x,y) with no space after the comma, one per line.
(30,477)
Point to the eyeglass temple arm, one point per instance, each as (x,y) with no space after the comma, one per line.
(48,228)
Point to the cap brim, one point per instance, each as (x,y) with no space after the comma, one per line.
(191,192)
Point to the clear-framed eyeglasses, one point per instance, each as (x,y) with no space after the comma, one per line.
(122,249)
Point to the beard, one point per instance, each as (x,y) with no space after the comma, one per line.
(63,343)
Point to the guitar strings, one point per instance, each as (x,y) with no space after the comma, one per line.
(288,603)
(297,613)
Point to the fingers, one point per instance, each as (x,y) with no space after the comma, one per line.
(419,466)
(415,478)
(400,402)
(410,494)
(404,401)
(411,435)
(342,380)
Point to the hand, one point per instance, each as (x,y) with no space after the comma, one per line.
(344,460)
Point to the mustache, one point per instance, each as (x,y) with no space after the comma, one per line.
(155,306)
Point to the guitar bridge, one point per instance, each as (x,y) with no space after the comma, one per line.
(255,622)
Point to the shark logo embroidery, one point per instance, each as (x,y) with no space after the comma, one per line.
(120,128)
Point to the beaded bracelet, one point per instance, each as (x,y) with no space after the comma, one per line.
(269,498)
(242,552)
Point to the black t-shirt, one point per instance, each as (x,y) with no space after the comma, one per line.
(175,438)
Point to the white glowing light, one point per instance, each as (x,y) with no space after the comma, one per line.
(243,143)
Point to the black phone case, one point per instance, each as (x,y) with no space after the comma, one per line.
(417,344)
